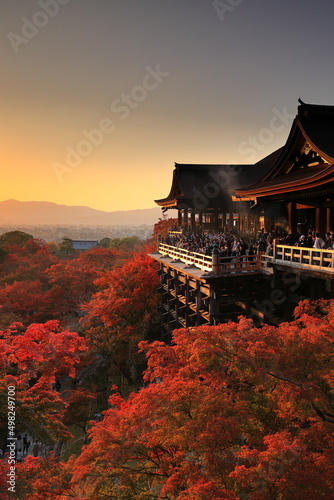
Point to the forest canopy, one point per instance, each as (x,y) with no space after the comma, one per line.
(232,411)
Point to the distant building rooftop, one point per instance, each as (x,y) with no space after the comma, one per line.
(84,244)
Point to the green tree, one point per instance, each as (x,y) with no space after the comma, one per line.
(3,255)
(18,238)
(66,245)
(105,242)
(127,244)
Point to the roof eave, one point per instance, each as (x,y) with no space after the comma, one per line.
(166,203)
(296,185)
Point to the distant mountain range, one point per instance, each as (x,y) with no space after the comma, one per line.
(13,212)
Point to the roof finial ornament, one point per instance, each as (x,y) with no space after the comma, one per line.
(300,101)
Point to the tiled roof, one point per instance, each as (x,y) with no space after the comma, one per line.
(313,124)
(191,180)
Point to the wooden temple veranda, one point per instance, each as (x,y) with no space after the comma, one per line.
(290,190)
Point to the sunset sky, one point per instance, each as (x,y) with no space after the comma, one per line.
(101,97)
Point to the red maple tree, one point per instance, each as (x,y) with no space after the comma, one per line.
(31,359)
(230,412)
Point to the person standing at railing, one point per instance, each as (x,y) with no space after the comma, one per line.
(208,250)
(328,241)
(328,245)
(215,259)
(269,249)
(301,243)
(236,247)
(309,240)
(243,247)
(251,253)
(291,239)
(261,247)
(318,242)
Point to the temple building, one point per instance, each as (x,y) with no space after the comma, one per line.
(202,195)
(291,190)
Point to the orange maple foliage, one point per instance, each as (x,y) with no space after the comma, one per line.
(229,412)
(36,286)
(30,360)
(163,227)
(122,312)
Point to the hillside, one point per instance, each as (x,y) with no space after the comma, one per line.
(13,212)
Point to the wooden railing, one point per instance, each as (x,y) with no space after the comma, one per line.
(207,263)
(203,262)
(310,258)
(240,263)
(297,257)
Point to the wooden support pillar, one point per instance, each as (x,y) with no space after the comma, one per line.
(256,223)
(213,307)
(292,218)
(223,220)
(200,220)
(176,282)
(161,298)
(246,222)
(187,297)
(193,220)
(215,260)
(268,224)
(169,316)
(329,219)
(199,303)
(216,219)
(177,292)
(187,290)
(179,218)
(320,220)
(251,222)
(229,223)
(241,222)
(185,215)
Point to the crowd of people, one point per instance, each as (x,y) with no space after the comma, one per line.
(227,243)
(231,243)
(312,239)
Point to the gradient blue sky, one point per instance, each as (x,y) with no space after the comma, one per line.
(229,75)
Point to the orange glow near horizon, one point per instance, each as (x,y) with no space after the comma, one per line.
(126,171)
(147,84)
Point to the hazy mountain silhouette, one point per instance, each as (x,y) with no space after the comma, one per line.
(13,212)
